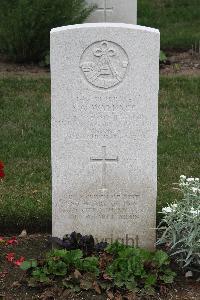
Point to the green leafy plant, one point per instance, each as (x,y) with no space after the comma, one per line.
(180,225)
(163,57)
(28,264)
(89,264)
(25,25)
(60,263)
(138,269)
(118,267)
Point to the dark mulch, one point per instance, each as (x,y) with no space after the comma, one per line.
(12,284)
(29,247)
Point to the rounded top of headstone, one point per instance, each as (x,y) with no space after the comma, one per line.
(105,25)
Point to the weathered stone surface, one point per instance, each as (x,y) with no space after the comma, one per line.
(105,81)
(116,11)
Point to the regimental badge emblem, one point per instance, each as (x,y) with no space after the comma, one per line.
(104,64)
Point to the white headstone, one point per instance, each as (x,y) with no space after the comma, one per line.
(116,11)
(105,81)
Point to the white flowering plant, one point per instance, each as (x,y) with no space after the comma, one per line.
(180,225)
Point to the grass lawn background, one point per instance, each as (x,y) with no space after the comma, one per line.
(177,20)
(25,195)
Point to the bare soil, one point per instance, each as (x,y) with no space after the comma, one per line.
(181,63)
(8,68)
(178,63)
(13,286)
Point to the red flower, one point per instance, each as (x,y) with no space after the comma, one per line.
(19,261)
(12,241)
(2,174)
(1,165)
(10,256)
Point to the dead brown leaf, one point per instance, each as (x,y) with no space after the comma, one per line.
(106,277)
(105,258)
(130,296)
(51,294)
(110,295)
(66,294)
(86,282)
(47,295)
(97,288)
(77,274)
(118,296)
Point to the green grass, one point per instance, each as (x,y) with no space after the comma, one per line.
(25,199)
(25,195)
(178,21)
(179,134)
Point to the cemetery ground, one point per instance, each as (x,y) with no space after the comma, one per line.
(25,192)
(25,198)
(13,281)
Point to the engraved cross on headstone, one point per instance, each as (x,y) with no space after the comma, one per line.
(104,160)
(105,9)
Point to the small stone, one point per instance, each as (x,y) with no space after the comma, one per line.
(23,233)
(188,274)
(16,284)
(172,59)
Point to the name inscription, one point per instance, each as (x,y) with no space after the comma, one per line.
(104,103)
(113,113)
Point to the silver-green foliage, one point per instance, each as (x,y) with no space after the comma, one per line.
(180,225)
